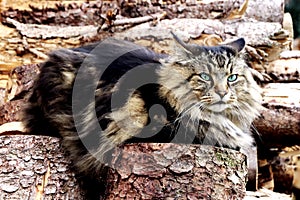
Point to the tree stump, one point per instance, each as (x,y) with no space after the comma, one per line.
(176,171)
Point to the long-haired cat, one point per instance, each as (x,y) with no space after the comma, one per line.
(102,95)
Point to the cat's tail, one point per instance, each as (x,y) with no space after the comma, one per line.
(34,119)
(47,94)
(49,109)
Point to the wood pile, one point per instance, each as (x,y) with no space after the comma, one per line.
(33,32)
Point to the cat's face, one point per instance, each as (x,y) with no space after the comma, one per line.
(212,79)
(217,78)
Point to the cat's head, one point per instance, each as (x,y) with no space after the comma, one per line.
(216,79)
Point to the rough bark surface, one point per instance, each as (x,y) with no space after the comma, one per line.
(285,69)
(168,171)
(90,13)
(19,82)
(279,124)
(34,167)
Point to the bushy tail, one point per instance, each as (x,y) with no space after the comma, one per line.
(34,120)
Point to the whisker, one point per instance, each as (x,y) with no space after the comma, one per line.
(183,113)
(191,119)
(206,99)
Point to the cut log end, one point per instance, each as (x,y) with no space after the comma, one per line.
(165,171)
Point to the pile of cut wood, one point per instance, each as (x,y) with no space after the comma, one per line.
(267,29)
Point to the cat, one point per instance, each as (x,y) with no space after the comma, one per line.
(99,96)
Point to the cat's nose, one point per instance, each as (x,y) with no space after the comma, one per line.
(221,93)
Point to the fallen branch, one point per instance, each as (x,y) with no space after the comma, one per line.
(133,21)
(38,53)
(45,32)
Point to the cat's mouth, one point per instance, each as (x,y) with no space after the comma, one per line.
(218,102)
(218,106)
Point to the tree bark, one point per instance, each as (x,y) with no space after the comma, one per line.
(19,82)
(34,167)
(279,125)
(266,11)
(90,12)
(168,171)
(285,69)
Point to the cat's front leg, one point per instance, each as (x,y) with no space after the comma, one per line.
(252,164)
(127,121)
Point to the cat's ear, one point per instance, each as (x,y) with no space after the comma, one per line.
(238,45)
(189,48)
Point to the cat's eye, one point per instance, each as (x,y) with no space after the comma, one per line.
(232,77)
(205,76)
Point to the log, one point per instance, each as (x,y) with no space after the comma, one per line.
(34,167)
(278,169)
(285,69)
(12,127)
(16,143)
(261,31)
(91,13)
(260,36)
(264,194)
(214,9)
(261,10)
(11,110)
(19,83)
(168,171)
(279,125)
(46,32)
(285,94)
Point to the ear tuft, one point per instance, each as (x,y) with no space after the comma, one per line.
(189,48)
(238,45)
(179,41)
